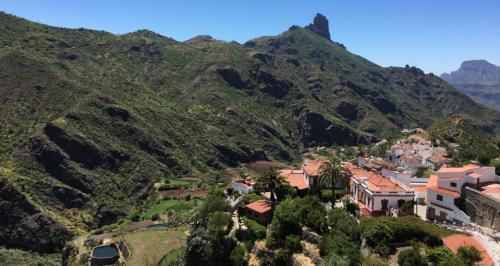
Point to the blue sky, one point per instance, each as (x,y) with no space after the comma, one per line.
(435,35)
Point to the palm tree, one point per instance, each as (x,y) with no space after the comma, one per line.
(332,174)
(271,180)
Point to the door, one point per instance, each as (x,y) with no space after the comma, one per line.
(431,213)
(442,216)
(384,204)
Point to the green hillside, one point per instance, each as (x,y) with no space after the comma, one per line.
(90,119)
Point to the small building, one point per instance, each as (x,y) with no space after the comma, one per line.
(296,179)
(260,210)
(376,193)
(311,169)
(435,162)
(444,190)
(243,186)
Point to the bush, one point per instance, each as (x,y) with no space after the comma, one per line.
(326,195)
(257,231)
(469,254)
(411,257)
(352,208)
(251,197)
(285,222)
(292,242)
(404,229)
(342,246)
(155,217)
(237,256)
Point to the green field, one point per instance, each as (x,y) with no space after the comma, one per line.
(162,206)
(148,246)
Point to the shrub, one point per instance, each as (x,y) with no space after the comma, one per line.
(411,257)
(404,230)
(383,250)
(469,254)
(326,195)
(251,197)
(237,256)
(292,242)
(257,231)
(342,246)
(350,227)
(352,208)
(155,217)
(285,221)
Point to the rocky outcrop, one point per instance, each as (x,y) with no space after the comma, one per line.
(316,130)
(232,77)
(320,26)
(272,85)
(242,154)
(23,225)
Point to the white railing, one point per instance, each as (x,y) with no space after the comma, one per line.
(484,241)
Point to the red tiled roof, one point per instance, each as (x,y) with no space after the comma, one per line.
(295,179)
(374,181)
(420,188)
(454,242)
(458,169)
(474,175)
(260,206)
(311,167)
(437,159)
(433,185)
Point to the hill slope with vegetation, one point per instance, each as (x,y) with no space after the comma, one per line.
(90,120)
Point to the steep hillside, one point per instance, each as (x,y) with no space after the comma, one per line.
(90,119)
(473,143)
(479,80)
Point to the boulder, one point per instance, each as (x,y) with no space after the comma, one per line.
(320,26)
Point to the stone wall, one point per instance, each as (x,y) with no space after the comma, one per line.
(483,210)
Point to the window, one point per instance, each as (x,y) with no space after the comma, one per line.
(453,184)
(439,197)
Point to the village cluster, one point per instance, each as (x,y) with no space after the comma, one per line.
(466,198)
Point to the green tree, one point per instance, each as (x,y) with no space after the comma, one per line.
(270,181)
(469,254)
(332,174)
(237,256)
(285,222)
(411,257)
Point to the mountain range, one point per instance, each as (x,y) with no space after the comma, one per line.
(90,120)
(479,80)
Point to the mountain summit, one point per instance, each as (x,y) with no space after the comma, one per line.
(474,72)
(320,26)
(478,79)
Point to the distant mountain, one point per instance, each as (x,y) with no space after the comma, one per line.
(479,80)
(90,120)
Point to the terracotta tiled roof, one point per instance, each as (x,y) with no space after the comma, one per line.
(295,179)
(420,188)
(433,185)
(374,181)
(311,167)
(458,169)
(474,175)
(260,206)
(437,159)
(454,242)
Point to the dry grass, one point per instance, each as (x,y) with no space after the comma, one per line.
(148,246)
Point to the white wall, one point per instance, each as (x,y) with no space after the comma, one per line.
(242,188)
(448,201)
(392,201)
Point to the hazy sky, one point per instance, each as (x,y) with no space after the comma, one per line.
(435,35)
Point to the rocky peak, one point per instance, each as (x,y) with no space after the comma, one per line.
(320,26)
(474,72)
